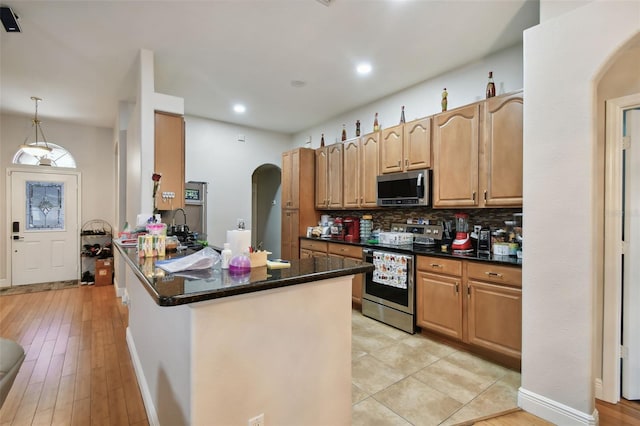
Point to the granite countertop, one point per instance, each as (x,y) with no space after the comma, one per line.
(418,249)
(200,285)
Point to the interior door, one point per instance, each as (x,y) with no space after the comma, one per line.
(44,227)
(631,269)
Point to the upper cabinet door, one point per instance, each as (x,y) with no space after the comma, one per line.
(290,184)
(369,169)
(391,158)
(169,159)
(417,144)
(334,154)
(322,187)
(455,149)
(351,174)
(501,167)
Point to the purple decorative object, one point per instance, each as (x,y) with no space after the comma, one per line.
(239,264)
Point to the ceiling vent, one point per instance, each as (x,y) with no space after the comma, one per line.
(9,20)
(324,2)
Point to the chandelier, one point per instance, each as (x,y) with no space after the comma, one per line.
(37,148)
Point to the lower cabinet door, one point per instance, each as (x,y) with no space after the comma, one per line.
(495,317)
(439,304)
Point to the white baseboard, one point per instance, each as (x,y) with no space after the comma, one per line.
(554,411)
(4,283)
(150,408)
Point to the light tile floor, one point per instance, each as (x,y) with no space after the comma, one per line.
(403,379)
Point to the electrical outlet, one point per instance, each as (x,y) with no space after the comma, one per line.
(257,420)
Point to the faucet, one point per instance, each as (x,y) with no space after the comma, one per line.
(173,220)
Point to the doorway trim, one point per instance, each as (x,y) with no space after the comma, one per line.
(612,295)
(9,197)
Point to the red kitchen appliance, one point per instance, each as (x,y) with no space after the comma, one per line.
(352,229)
(462,242)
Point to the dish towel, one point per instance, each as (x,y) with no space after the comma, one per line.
(390,269)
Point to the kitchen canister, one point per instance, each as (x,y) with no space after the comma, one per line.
(366,226)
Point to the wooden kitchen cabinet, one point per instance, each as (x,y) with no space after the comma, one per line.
(477,303)
(321,178)
(360,171)
(290,225)
(501,159)
(169,159)
(351,174)
(439,295)
(290,186)
(346,251)
(391,158)
(455,150)
(406,146)
(478,154)
(369,169)
(313,248)
(298,199)
(494,308)
(328,178)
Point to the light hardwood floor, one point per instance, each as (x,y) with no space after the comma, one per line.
(77,370)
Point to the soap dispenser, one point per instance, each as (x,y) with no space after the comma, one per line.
(226,256)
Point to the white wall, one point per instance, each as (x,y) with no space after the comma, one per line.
(551,8)
(563,59)
(465,85)
(93,150)
(214,155)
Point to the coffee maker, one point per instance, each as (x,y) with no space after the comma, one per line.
(351,229)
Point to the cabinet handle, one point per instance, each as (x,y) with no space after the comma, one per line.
(494,274)
(474,196)
(485,195)
(406,162)
(468,291)
(435,265)
(399,162)
(360,200)
(457,288)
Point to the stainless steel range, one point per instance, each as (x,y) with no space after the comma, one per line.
(388,294)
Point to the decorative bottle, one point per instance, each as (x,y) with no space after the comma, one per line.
(376,126)
(344,133)
(357,128)
(402,115)
(322,141)
(444,99)
(226,256)
(491,87)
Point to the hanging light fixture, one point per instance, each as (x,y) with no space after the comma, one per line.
(37,148)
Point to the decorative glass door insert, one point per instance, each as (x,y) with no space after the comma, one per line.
(45,206)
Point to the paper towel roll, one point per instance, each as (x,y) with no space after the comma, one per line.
(239,241)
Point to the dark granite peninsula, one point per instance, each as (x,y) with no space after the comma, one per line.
(212,348)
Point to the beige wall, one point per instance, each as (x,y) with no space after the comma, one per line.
(564,58)
(621,78)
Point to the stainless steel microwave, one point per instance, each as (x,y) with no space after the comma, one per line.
(404,189)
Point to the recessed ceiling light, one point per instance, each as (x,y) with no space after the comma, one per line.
(363,68)
(239,108)
(298,83)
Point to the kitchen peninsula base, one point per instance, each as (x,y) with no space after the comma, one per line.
(284,352)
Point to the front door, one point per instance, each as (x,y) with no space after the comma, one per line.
(44,226)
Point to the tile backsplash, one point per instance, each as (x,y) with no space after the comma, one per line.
(383,218)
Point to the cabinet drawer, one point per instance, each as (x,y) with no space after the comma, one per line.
(345,250)
(313,245)
(495,273)
(440,265)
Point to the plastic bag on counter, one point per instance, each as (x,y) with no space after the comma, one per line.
(203,259)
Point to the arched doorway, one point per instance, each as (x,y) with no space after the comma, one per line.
(266,222)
